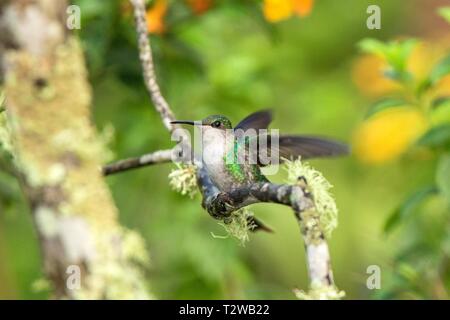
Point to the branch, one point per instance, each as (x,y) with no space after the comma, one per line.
(145,55)
(160,103)
(160,156)
(221,205)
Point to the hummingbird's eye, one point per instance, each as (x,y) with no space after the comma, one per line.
(216,124)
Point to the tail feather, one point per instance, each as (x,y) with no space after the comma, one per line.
(258,225)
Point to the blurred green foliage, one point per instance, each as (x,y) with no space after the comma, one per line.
(421,264)
(230,61)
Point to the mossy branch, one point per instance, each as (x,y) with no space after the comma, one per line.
(308,195)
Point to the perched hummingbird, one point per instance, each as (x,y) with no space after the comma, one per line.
(219,141)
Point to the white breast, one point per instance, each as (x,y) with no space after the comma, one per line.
(216,144)
(213,146)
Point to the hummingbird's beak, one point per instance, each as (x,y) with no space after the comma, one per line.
(183,122)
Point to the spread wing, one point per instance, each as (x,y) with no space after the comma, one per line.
(301,146)
(310,147)
(289,146)
(257,120)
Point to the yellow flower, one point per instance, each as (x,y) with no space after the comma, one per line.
(277,10)
(155,17)
(388,134)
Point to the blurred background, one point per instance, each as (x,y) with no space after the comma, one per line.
(308,62)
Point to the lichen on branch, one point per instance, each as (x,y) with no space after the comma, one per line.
(183,179)
(320,292)
(323,218)
(239,224)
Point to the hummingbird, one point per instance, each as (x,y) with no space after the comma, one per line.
(228,160)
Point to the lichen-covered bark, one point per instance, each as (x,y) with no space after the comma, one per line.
(302,195)
(58,156)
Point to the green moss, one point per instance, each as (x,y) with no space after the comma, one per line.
(183,180)
(238,225)
(318,292)
(323,218)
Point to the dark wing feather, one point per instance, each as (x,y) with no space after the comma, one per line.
(292,147)
(257,120)
(310,147)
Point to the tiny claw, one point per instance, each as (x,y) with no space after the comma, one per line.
(221,206)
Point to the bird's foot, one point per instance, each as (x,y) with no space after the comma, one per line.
(221,206)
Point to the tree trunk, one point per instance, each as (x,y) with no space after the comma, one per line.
(86,253)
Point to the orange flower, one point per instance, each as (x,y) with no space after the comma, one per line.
(367,74)
(388,134)
(155,17)
(303,7)
(277,10)
(200,6)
